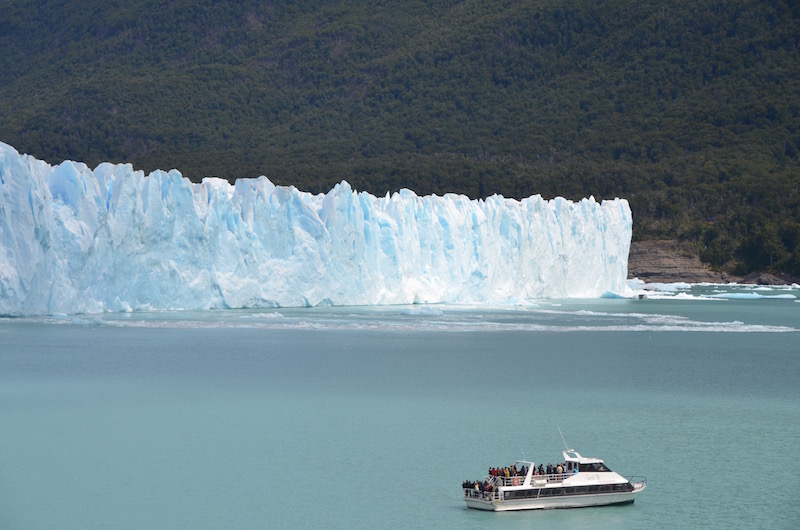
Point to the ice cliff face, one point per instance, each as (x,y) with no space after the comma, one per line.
(73,240)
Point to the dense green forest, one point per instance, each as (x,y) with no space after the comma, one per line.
(690,110)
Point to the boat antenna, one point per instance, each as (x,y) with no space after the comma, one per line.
(562,438)
(523,453)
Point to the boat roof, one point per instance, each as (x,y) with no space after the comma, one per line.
(571,455)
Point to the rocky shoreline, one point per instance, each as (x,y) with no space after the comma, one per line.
(668,261)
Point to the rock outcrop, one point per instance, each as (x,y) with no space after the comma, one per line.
(669,261)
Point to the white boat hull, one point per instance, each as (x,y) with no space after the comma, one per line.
(573,501)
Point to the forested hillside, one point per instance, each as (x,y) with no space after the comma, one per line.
(690,110)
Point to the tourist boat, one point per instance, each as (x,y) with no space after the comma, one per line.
(581,482)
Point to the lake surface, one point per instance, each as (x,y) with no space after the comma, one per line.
(373,417)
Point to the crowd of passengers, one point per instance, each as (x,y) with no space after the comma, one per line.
(508,472)
(563,469)
(558,469)
(478,486)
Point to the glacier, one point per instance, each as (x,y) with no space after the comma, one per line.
(75,240)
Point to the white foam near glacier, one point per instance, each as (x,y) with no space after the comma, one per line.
(76,240)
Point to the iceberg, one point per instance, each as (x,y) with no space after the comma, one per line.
(75,240)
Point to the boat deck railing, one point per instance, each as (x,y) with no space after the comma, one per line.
(478,494)
(496,482)
(637,481)
(535,479)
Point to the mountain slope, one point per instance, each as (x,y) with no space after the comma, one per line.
(691,111)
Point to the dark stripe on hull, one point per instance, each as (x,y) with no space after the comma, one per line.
(519,505)
(620,503)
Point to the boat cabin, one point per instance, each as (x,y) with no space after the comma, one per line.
(574,459)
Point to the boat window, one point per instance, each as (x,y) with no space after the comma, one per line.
(596,467)
(521,494)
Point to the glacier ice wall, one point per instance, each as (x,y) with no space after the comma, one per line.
(73,240)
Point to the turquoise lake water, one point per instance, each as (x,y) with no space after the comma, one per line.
(372,417)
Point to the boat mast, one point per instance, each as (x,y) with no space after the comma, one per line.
(562,438)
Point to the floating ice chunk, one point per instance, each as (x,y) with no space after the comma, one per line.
(753,296)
